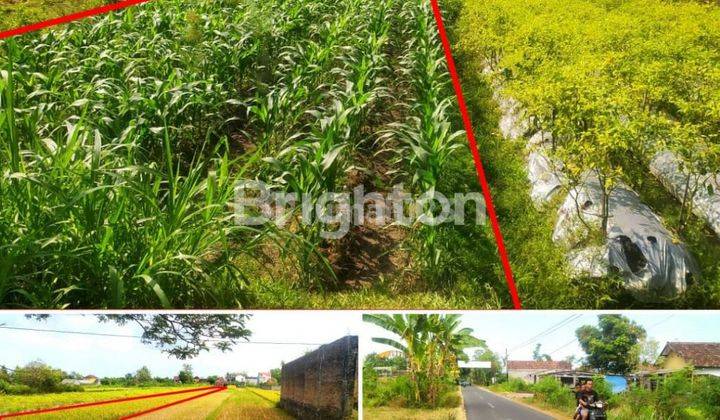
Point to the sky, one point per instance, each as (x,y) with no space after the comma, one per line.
(112,356)
(511,329)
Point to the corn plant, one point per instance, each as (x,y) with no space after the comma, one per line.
(425,142)
(124,135)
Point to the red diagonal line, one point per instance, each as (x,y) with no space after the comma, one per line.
(69,18)
(95,403)
(162,407)
(476,155)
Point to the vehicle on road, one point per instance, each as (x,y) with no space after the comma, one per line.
(597,411)
(464,382)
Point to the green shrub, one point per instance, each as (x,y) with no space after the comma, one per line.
(512,385)
(14,389)
(38,376)
(450,398)
(549,390)
(602,387)
(395,392)
(707,395)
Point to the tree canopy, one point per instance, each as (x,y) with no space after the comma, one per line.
(183,336)
(612,345)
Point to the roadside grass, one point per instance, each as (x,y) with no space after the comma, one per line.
(16,13)
(392,413)
(10,404)
(246,403)
(393,410)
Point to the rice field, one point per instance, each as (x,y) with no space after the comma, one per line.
(125,135)
(16,13)
(250,403)
(9,404)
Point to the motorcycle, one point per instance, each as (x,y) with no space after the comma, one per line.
(597,411)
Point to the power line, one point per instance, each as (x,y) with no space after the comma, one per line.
(562,347)
(658,323)
(139,336)
(552,329)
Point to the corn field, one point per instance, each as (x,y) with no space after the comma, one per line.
(124,136)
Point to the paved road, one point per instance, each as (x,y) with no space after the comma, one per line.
(484,405)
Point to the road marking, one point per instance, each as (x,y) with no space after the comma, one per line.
(491,406)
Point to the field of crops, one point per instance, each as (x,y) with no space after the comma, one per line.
(618,101)
(16,13)
(250,403)
(125,135)
(111,411)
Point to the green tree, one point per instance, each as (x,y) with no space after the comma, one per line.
(397,362)
(186,336)
(186,374)
(276,374)
(143,375)
(485,376)
(38,376)
(610,346)
(646,351)
(183,336)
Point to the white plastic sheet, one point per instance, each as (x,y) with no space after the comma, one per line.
(706,202)
(544,173)
(652,262)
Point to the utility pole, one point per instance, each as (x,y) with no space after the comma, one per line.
(507,368)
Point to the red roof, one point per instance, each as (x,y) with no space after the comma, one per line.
(538,365)
(697,354)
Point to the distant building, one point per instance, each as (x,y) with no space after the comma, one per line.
(264,377)
(240,379)
(568,377)
(531,370)
(703,357)
(90,380)
(390,354)
(384,371)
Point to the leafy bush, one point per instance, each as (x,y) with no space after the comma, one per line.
(450,398)
(14,389)
(678,396)
(395,392)
(39,377)
(550,391)
(512,385)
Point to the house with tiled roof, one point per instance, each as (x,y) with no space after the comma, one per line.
(531,370)
(703,357)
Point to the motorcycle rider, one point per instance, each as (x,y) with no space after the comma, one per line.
(588,396)
(578,394)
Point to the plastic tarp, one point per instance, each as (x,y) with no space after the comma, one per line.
(706,202)
(513,123)
(638,247)
(654,265)
(544,173)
